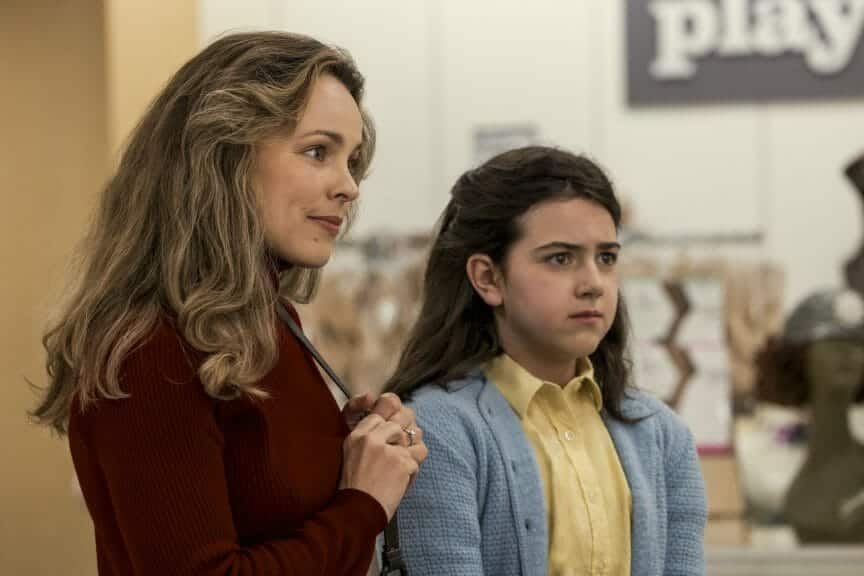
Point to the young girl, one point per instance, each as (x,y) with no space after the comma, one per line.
(204,438)
(542,458)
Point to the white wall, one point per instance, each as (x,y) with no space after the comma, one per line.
(393,52)
(437,68)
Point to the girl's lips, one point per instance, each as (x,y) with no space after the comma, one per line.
(588,317)
(587,314)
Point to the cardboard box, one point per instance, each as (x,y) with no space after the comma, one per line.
(727,532)
(722,486)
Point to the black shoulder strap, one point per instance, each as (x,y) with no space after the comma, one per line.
(391,555)
(298,333)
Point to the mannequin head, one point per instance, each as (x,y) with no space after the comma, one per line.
(837,366)
(822,345)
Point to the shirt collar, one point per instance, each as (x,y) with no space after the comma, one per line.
(518,386)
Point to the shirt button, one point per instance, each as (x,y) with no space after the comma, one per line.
(568,435)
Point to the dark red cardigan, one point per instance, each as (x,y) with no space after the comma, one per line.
(179,483)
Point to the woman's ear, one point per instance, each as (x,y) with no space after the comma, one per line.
(486,279)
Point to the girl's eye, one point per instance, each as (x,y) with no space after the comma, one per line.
(608,258)
(562,259)
(316,152)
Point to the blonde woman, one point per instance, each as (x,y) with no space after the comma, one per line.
(204,438)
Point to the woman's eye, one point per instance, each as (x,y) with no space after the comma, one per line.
(354,166)
(316,152)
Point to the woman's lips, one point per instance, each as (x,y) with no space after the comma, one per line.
(330,223)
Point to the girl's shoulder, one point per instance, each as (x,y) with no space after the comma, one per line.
(654,419)
(641,406)
(452,409)
(457,398)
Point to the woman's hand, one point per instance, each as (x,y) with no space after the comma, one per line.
(391,409)
(378,461)
(357,408)
(384,450)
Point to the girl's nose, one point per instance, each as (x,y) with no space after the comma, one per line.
(590,282)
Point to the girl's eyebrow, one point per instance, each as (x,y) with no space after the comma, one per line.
(577,247)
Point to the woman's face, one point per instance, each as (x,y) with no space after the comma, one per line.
(836,366)
(304,180)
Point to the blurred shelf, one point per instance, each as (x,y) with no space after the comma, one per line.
(804,561)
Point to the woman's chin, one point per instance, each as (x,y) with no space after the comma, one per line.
(315,257)
(315,260)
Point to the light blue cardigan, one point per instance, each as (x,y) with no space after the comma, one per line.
(477,505)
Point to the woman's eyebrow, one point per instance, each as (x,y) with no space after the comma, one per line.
(336,137)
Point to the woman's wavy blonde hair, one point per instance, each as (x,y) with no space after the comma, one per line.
(177,233)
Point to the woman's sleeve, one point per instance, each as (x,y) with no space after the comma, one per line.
(439,526)
(686,507)
(159,455)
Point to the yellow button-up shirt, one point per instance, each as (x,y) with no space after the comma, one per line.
(587,496)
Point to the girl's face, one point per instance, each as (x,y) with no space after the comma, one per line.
(304,180)
(557,295)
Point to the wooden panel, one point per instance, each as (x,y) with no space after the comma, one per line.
(61,112)
(54,152)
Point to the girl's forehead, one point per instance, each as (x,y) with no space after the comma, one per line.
(568,220)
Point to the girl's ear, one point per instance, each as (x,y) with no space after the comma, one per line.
(485,278)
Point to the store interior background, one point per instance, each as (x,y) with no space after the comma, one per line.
(78,73)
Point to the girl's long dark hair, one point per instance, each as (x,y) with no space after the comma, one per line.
(455,331)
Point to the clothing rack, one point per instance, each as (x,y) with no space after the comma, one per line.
(636,237)
(376,247)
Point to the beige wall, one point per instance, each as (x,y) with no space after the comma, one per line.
(75,76)
(147,42)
